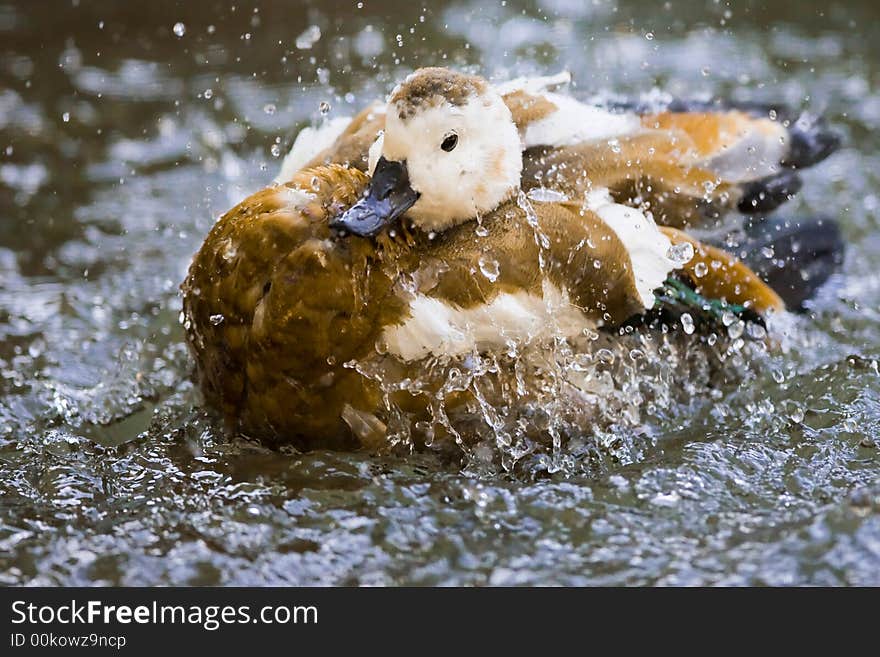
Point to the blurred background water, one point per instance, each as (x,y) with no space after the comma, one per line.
(127,128)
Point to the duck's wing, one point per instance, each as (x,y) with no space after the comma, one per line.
(606,259)
(548,268)
(273,310)
(687,162)
(639,170)
(650,255)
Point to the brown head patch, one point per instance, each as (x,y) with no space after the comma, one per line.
(434,86)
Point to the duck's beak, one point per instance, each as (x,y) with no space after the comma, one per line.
(388,196)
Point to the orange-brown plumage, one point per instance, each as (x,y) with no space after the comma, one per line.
(719,275)
(286,317)
(276,307)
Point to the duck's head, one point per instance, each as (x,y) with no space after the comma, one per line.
(450,152)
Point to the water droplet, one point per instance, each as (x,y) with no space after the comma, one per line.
(324,108)
(544,195)
(649,36)
(680,254)
(666,499)
(605,356)
(687,323)
(275,150)
(179,29)
(66,117)
(308,38)
(209,94)
(756,331)
(735,330)
(490,268)
(796,414)
(701,269)
(217,320)
(228,252)
(269,108)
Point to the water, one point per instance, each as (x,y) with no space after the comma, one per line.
(123,136)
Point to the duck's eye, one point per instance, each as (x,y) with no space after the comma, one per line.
(450,141)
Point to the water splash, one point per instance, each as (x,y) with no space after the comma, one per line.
(555,404)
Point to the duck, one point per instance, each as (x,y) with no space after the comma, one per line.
(439,255)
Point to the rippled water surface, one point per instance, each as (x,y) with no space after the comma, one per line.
(127,128)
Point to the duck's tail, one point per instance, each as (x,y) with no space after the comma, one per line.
(754,149)
(809,138)
(777,263)
(808,141)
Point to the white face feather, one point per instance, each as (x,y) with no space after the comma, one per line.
(482,171)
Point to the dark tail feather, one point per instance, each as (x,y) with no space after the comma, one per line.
(769,193)
(794,257)
(811,141)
